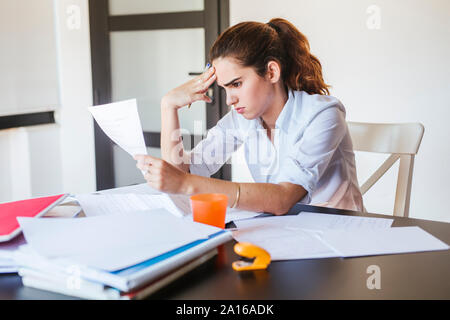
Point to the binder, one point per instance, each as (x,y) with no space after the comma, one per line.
(9,227)
(130,278)
(91,290)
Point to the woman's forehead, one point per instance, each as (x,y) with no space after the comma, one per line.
(228,69)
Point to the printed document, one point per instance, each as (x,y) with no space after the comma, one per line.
(106,204)
(97,204)
(384,241)
(300,236)
(120,122)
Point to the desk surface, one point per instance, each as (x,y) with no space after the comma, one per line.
(423,275)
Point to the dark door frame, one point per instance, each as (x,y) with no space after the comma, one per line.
(214,19)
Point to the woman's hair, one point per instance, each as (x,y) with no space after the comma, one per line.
(254,44)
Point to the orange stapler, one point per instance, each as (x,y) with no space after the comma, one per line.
(248,250)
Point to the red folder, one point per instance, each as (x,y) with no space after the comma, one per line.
(9,227)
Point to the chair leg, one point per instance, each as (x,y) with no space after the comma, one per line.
(404,182)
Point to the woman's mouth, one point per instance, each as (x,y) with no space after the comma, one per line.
(240,110)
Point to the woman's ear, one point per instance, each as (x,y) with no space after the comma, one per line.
(273,71)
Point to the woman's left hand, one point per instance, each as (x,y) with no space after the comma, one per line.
(161,175)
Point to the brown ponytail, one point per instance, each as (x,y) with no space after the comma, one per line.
(254,44)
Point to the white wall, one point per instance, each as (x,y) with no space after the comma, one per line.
(397,73)
(54,158)
(27,56)
(75,90)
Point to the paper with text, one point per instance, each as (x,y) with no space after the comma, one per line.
(283,243)
(319,222)
(382,241)
(97,204)
(106,204)
(120,122)
(300,236)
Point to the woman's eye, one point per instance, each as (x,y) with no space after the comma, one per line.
(236,84)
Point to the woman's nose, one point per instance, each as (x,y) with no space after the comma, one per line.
(231,100)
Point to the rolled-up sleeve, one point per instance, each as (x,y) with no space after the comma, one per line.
(209,155)
(311,154)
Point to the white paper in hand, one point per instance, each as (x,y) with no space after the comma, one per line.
(120,122)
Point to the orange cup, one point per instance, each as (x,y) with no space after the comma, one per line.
(210,208)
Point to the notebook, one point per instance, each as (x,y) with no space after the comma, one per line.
(9,227)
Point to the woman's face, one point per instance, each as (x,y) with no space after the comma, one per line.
(250,94)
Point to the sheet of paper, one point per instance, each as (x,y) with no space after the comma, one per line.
(236,214)
(5,262)
(322,222)
(283,243)
(7,248)
(120,122)
(9,269)
(105,204)
(64,211)
(318,222)
(112,242)
(299,236)
(96,204)
(382,241)
(141,188)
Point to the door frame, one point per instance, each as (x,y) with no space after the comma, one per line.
(214,19)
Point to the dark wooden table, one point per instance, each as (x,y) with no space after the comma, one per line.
(423,275)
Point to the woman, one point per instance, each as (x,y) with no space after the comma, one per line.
(295,137)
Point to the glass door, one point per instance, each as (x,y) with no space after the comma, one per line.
(141,49)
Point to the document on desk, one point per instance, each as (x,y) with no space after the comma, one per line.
(282,238)
(180,200)
(112,242)
(322,222)
(382,241)
(284,243)
(120,122)
(319,222)
(179,205)
(106,204)
(301,236)
(141,188)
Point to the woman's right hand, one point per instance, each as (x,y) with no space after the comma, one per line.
(191,91)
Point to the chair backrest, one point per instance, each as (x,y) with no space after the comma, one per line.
(402,141)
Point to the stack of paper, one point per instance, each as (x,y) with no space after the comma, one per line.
(114,256)
(7,263)
(312,235)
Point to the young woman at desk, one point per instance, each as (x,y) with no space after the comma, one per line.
(295,138)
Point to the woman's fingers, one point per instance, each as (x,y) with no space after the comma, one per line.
(203,97)
(205,80)
(209,82)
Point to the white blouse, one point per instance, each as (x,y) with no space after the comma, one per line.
(312,148)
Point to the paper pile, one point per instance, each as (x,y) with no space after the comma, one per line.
(111,255)
(7,263)
(312,235)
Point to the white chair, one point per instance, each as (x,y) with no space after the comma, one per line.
(402,141)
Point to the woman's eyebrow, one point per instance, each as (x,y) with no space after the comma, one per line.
(227,84)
